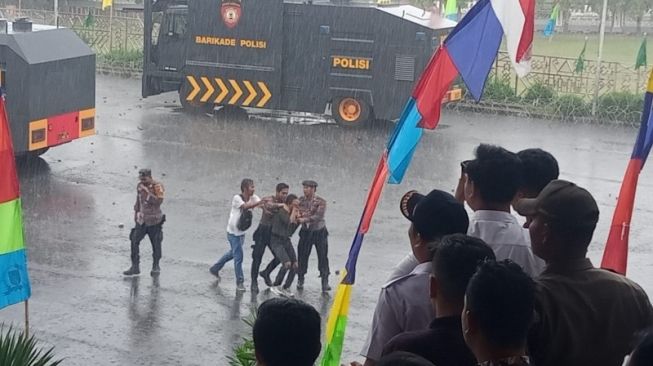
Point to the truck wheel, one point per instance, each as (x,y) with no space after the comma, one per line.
(350,112)
(193,107)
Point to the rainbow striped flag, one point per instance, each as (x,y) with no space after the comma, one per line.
(615,255)
(14,282)
(469,52)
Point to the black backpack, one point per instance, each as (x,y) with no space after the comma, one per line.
(245,220)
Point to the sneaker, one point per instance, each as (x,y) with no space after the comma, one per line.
(266,278)
(215,273)
(132,271)
(286,292)
(155,270)
(240,288)
(254,287)
(277,290)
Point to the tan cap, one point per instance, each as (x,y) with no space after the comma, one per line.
(563,202)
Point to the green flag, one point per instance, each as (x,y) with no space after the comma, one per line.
(89,21)
(641,55)
(580,62)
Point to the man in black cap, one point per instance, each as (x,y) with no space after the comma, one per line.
(404,303)
(149,221)
(585,315)
(313,233)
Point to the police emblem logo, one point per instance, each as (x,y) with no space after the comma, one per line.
(231,12)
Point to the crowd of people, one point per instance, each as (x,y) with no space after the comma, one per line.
(475,289)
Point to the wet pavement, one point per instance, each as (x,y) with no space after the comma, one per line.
(78,202)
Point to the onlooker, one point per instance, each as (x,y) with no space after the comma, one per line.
(404,304)
(454,263)
(284,224)
(490,183)
(539,168)
(498,312)
(642,355)
(263,233)
(239,222)
(286,333)
(586,316)
(404,359)
(148,219)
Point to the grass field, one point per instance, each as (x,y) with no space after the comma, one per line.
(616,48)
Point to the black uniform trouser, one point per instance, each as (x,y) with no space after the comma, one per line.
(308,239)
(154,232)
(262,237)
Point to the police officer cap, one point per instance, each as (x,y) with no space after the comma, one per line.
(145,173)
(309,183)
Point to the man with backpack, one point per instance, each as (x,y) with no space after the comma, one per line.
(240,219)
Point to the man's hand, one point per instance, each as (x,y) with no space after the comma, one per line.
(302,220)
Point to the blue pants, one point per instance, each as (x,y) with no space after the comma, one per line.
(235,253)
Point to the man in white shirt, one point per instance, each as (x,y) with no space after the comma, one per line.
(404,303)
(236,229)
(490,182)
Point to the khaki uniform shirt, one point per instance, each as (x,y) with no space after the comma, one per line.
(148,207)
(586,316)
(313,209)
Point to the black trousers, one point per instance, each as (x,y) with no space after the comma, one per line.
(154,232)
(285,253)
(308,239)
(262,237)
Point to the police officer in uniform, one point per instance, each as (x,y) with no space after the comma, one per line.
(313,233)
(149,221)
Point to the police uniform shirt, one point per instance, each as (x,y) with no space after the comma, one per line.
(404,305)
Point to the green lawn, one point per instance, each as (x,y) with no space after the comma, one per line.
(616,48)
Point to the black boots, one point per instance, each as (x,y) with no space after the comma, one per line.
(155,269)
(325,284)
(134,270)
(300,282)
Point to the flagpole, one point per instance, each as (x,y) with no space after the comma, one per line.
(27,318)
(111,28)
(598,60)
(56,13)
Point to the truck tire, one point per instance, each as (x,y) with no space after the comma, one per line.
(350,112)
(192,107)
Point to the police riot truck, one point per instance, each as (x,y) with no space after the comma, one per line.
(48,76)
(354,62)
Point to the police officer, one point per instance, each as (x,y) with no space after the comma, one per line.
(149,221)
(313,233)
(404,304)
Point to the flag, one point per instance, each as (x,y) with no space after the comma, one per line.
(14,282)
(451,10)
(106,4)
(641,55)
(89,21)
(468,51)
(615,255)
(550,27)
(580,62)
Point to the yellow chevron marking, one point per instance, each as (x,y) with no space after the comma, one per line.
(266,94)
(223,90)
(239,91)
(209,89)
(252,93)
(196,88)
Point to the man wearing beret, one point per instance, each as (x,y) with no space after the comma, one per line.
(313,233)
(149,221)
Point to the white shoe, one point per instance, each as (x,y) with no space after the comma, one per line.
(277,290)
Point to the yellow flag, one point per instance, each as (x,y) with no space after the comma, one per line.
(106,4)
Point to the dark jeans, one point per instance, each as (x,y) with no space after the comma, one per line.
(262,238)
(154,232)
(308,239)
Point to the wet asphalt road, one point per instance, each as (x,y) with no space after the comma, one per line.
(77,197)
